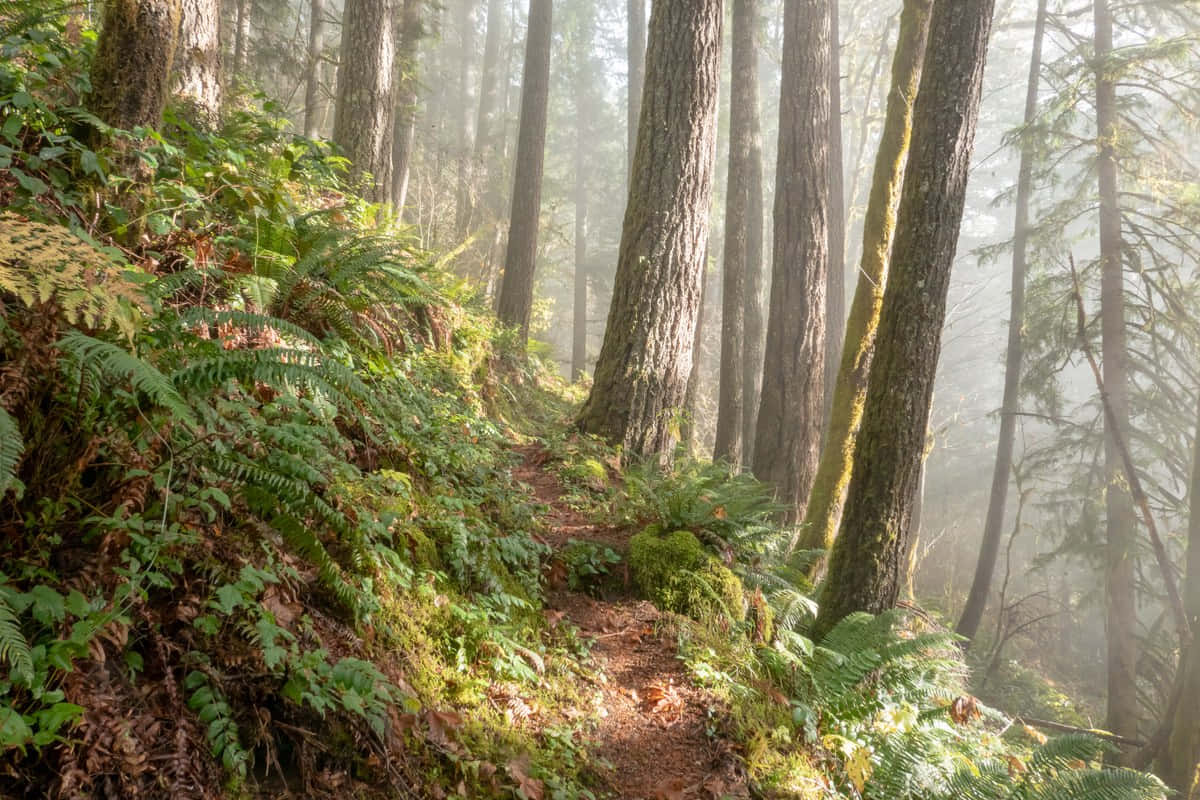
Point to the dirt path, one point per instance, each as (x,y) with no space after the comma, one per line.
(655,723)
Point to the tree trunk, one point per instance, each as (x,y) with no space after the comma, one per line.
(742,97)
(793,395)
(313,107)
(968,624)
(516,290)
(132,67)
(407,84)
(1182,753)
(362,124)
(198,60)
(486,151)
(691,398)
(755,292)
(642,371)
(835,284)
(241,40)
(1122,712)
(636,46)
(824,510)
(867,566)
(583,100)
(464,201)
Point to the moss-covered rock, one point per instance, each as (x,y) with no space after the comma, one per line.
(678,574)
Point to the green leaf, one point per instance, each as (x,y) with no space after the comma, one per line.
(89,162)
(14,732)
(34,186)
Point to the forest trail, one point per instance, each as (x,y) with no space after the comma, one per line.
(655,724)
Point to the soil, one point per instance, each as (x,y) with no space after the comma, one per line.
(658,731)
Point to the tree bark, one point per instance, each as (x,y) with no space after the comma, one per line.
(516,290)
(405,115)
(313,109)
(1122,711)
(824,510)
(132,67)
(755,292)
(835,285)
(691,399)
(198,60)
(742,97)
(968,624)
(788,438)
(362,124)
(636,46)
(486,134)
(1179,767)
(867,563)
(644,362)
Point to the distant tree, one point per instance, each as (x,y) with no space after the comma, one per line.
(636,49)
(754,317)
(835,284)
(824,509)
(241,38)
(131,70)
(463,147)
(198,59)
(407,83)
(743,97)
(362,124)
(1121,524)
(642,371)
(488,133)
(312,68)
(516,289)
(1180,764)
(989,549)
(584,98)
(790,420)
(867,564)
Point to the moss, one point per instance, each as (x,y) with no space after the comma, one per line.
(678,574)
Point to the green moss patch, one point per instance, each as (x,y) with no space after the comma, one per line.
(678,574)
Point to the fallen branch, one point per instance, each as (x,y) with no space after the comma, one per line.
(1062,727)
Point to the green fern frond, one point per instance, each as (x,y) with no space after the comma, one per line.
(13,646)
(119,364)
(11,448)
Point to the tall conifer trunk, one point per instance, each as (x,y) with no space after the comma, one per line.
(644,363)
(198,60)
(790,420)
(867,565)
(824,510)
(516,289)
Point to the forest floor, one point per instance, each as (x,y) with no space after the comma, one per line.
(659,732)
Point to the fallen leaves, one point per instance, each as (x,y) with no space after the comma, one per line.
(529,787)
(663,699)
(964,709)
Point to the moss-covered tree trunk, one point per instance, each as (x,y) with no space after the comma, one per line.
(824,509)
(1120,523)
(742,101)
(755,292)
(198,60)
(989,549)
(313,106)
(407,83)
(131,71)
(644,362)
(790,420)
(867,565)
(516,289)
(1181,758)
(362,124)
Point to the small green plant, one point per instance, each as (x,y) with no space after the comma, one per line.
(587,562)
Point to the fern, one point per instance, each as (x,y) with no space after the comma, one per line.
(14,648)
(11,448)
(119,364)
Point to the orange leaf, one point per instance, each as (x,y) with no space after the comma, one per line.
(530,788)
